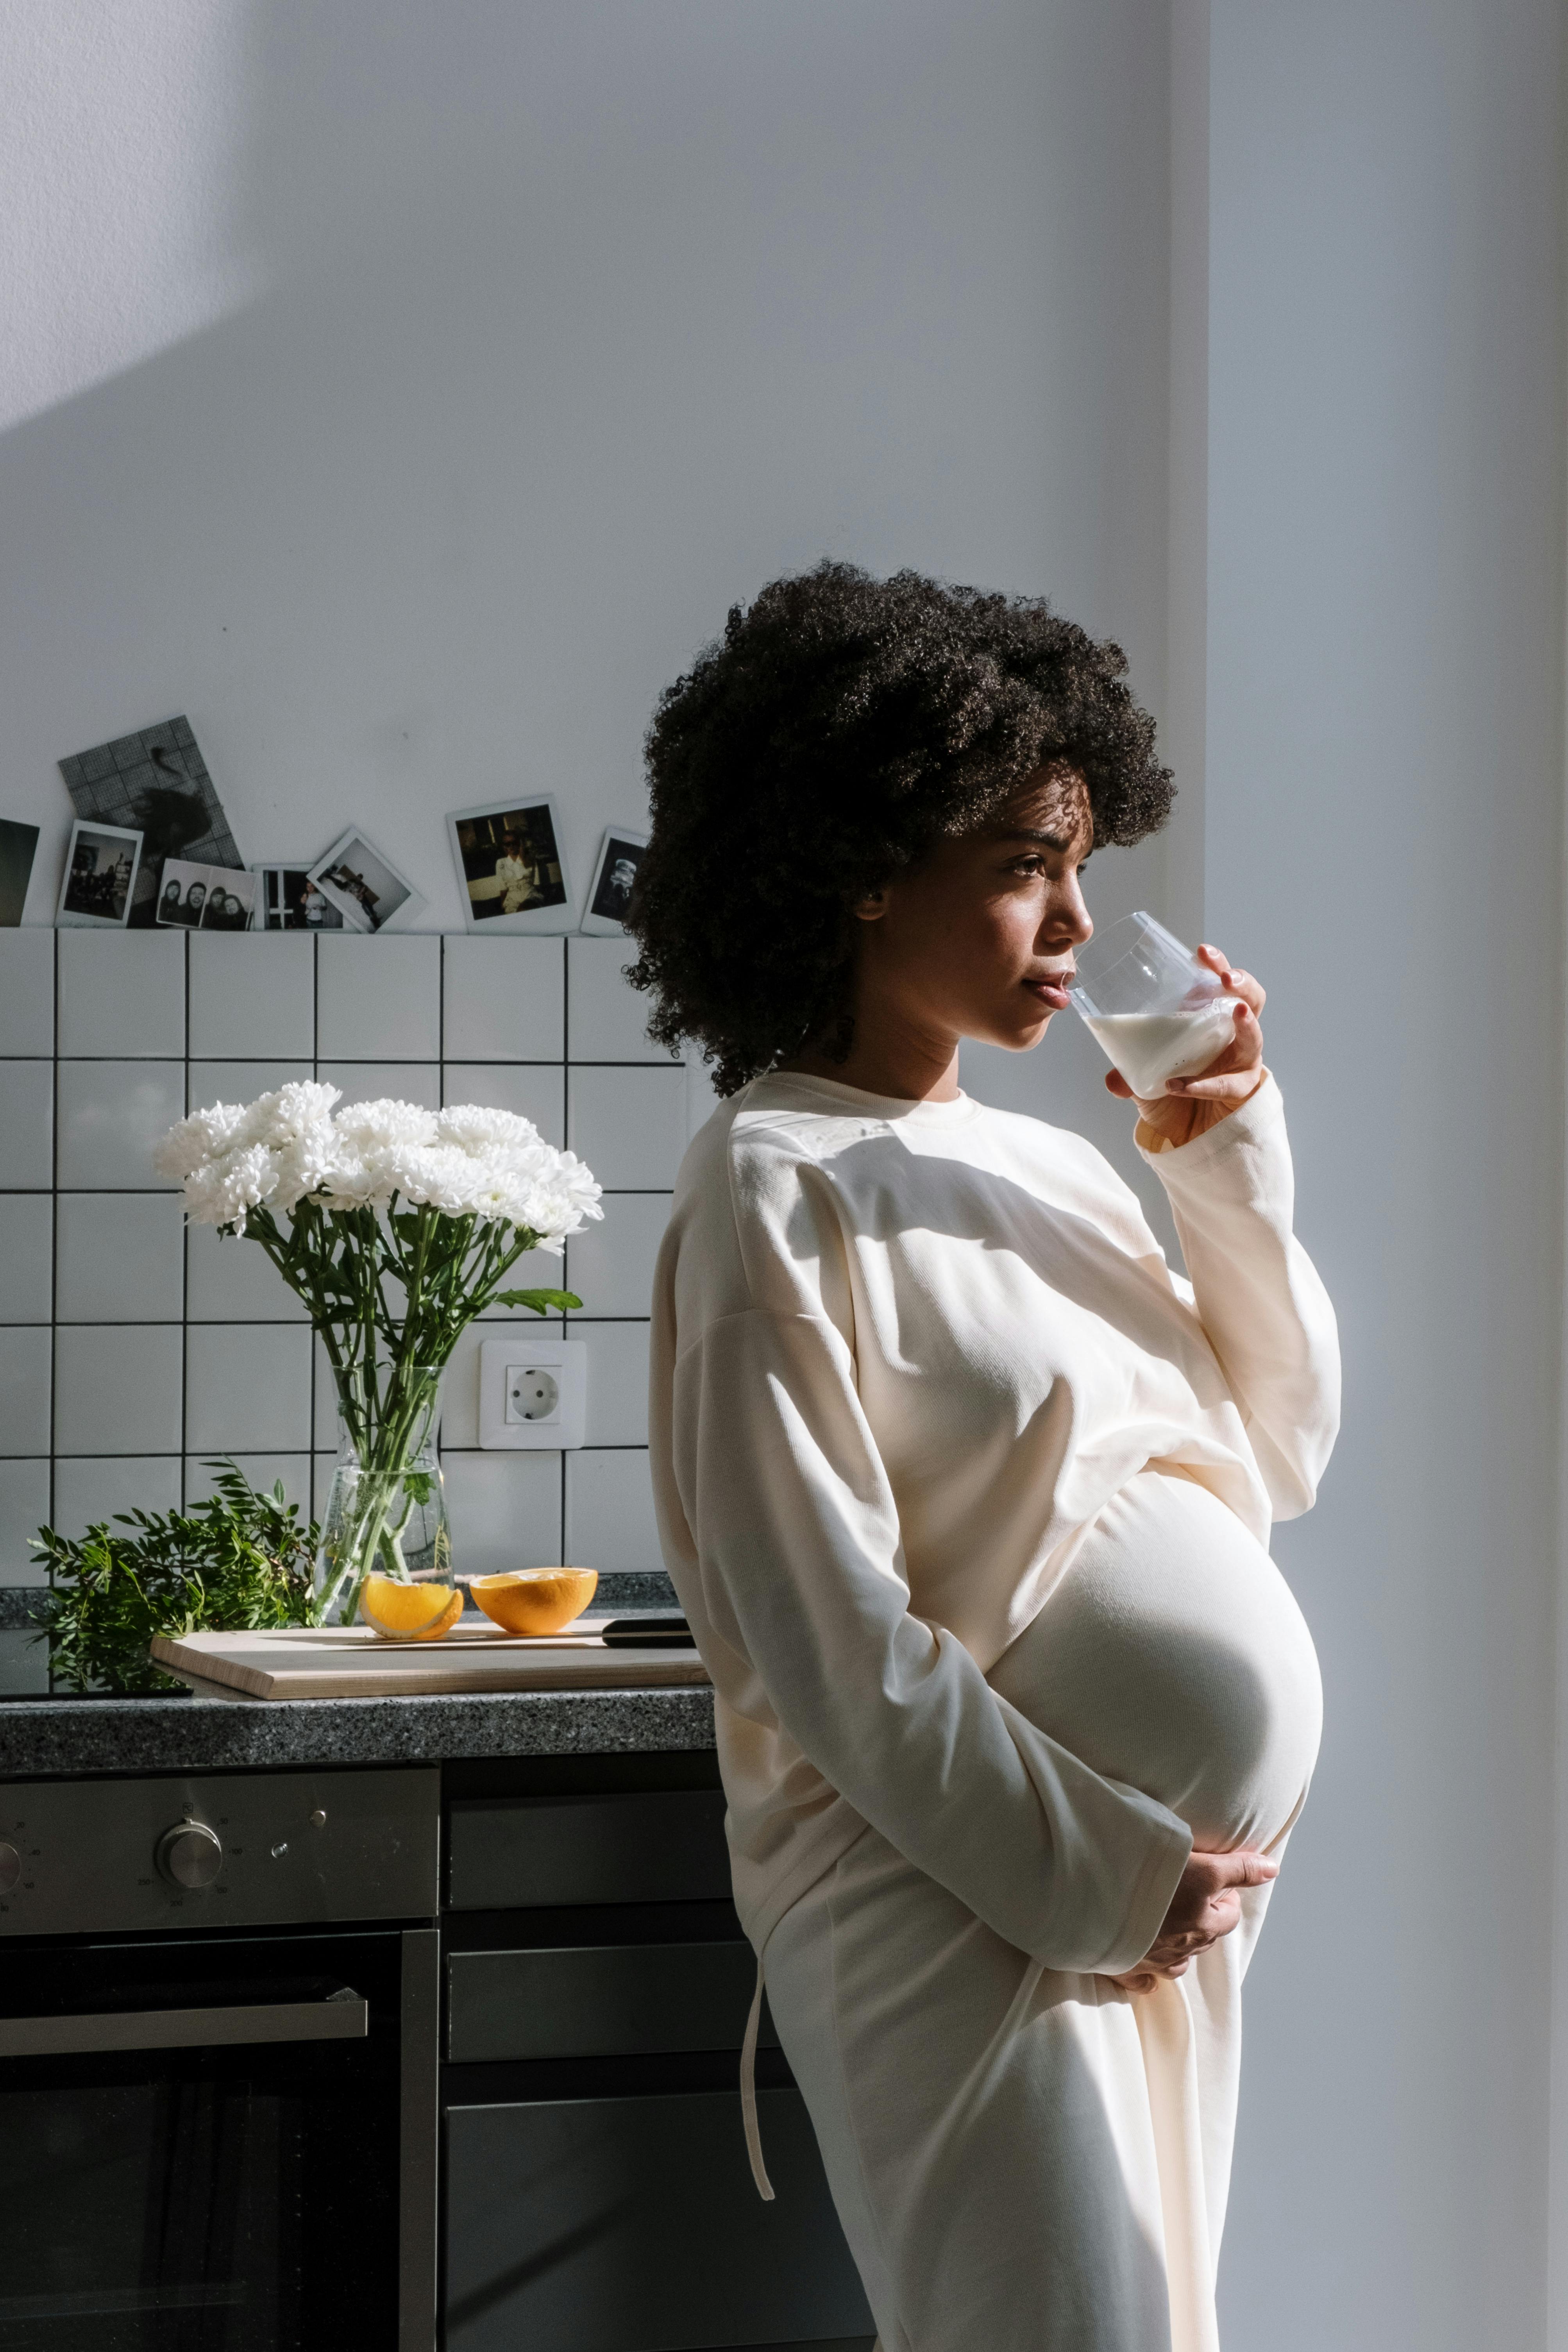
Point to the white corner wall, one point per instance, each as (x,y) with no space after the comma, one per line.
(1384,839)
(416,402)
(414,430)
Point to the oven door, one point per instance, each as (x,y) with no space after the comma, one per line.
(200,2143)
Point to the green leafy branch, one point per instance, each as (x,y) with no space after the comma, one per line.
(239,1561)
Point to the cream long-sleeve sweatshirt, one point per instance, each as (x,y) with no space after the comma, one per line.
(903,1355)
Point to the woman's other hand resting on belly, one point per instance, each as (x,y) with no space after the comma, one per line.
(1205,1905)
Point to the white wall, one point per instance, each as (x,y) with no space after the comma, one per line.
(419,426)
(1383,801)
(406,392)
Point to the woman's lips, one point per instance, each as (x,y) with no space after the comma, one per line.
(1051,988)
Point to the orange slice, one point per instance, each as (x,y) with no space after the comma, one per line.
(409,1612)
(535,1600)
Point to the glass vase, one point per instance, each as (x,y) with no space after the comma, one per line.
(386,1513)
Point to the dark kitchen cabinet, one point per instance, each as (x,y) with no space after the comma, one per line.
(597,2193)
(632,2225)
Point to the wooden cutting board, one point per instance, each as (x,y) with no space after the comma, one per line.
(352,1662)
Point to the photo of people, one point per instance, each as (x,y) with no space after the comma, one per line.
(194,897)
(620,855)
(100,878)
(155,783)
(291,901)
(362,884)
(512,867)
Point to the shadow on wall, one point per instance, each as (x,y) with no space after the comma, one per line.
(575,324)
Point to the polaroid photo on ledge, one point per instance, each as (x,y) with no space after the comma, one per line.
(100,878)
(363,884)
(512,867)
(288,900)
(193,898)
(154,782)
(620,855)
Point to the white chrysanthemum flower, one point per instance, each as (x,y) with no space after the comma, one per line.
(347,1181)
(288,1147)
(298,1166)
(433,1175)
(206,1136)
(370,1128)
(473,1128)
(301,1109)
(220,1193)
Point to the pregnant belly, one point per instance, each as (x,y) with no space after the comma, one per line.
(1173,1656)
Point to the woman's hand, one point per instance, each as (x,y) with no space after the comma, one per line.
(1190,1106)
(1205,1905)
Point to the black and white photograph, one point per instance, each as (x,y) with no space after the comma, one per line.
(231,898)
(363,884)
(102,864)
(289,900)
(194,897)
(512,867)
(155,783)
(18,843)
(620,855)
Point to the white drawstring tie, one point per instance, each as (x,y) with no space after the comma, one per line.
(749,2092)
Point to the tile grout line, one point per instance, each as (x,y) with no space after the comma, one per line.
(54,1216)
(441,1104)
(315,1074)
(185,1256)
(190,1327)
(566,1131)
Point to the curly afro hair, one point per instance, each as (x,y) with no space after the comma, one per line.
(837,731)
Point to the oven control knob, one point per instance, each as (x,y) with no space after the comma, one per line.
(190,1854)
(10,1867)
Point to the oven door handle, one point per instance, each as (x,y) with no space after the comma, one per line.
(341,2017)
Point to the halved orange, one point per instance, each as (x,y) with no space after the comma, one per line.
(409,1612)
(535,1600)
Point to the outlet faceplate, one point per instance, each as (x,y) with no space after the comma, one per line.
(533,1391)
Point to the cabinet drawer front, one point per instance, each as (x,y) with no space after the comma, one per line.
(663,1845)
(599,2000)
(632,2225)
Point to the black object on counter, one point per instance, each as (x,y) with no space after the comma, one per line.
(665,1633)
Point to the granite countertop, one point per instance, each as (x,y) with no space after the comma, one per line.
(46,1737)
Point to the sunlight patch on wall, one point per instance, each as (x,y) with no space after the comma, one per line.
(126,122)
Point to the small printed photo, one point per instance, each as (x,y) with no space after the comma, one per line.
(620,855)
(156,782)
(289,901)
(101,875)
(231,898)
(17,845)
(204,897)
(512,867)
(363,884)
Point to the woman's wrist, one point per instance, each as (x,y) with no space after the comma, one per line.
(1188,1120)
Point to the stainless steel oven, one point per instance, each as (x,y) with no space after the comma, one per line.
(218,2006)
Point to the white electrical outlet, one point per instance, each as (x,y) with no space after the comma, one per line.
(532,1394)
(533,1391)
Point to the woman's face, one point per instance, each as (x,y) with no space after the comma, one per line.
(978,940)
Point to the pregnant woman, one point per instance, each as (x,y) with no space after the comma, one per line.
(966,1495)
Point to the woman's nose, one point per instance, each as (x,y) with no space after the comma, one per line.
(1071,918)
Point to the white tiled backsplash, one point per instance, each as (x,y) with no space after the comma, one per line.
(131,1349)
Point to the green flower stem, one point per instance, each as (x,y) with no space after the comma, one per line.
(386,1363)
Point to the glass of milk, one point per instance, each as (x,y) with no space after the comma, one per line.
(1154,1009)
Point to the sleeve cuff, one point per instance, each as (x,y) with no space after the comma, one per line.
(1157,1883)
(1251,1122)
